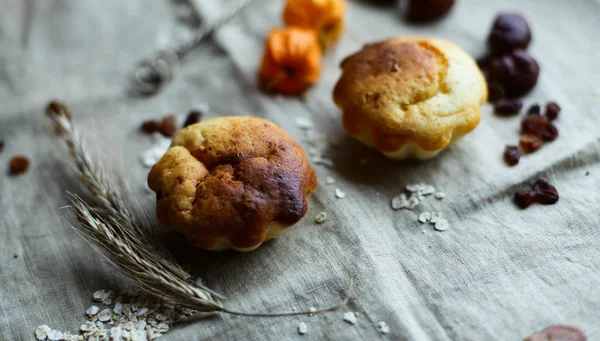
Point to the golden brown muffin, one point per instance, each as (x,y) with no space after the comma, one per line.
(232,183)
(410,97)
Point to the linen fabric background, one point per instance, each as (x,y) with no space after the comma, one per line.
(498,273)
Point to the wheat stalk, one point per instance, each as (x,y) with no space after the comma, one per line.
(129,245)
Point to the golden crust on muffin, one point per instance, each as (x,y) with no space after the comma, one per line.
(410,97)
(232,183)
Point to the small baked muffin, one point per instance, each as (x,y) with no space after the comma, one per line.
(232,183)
(410,97)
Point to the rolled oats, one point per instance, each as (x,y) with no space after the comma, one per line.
(339,193)
(350,317)
(383,327)
(93,310)
(425,217)
(441,225)
(439,195)
(302,329)
(41,332)
(320,218)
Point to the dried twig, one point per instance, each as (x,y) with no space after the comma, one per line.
(127,243)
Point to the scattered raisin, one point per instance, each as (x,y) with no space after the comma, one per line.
(168,126)
(18,165)
(530,143)
(534,124)
(424,10)
(552,110)
(151,126)
(524,76)
(550,134)
(508,107)
(500,68)
(534,110)
(524,198)
(509,32)
(545,193)
(512,155)
(496,92)
(193,117)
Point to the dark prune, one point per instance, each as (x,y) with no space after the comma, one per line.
(524,199)
(530,143)
(168,126)
(509,32)
(512,155)
(18,165)
(423,10)
(496,92)
(534,110)
(150,127)
(507,107)
(552,110)
(524,76)
(500,68)
(545,193)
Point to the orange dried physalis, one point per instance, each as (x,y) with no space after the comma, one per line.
(292,60)
(324,16)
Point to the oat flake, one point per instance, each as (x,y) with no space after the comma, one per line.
(339,193)
(442,225)
(425,217)
(435,217)
(439,195)
(415,187)
(304,122)
(428,190)
(383,327)
(93,310)
(350,317)
(412,203)
(329,180)
(399,201)
(302,329)
(55,335)
(41,332)
(320,218)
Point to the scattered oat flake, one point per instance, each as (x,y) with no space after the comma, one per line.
(383,327)
(412,203)
(100,295)
(41,332)
(442,225)
(425,217)
(105,315)
(55,335)
(304,122)
(428,190)
(399,201)
(435,217)
(415,187)
(302,329)
(320,218)
(329,180)
(350,317)
(93,310)
(339,193)
(439,195)
(312,310)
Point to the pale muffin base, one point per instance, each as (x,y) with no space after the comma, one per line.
(411,150)
(273,231)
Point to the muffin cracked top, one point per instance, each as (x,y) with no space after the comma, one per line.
(410,97)
(232,183)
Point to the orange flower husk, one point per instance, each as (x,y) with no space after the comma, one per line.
(291,61)
(324,16)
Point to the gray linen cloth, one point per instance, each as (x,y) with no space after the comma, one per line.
(498,273)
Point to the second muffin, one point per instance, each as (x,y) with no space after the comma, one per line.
(410,97)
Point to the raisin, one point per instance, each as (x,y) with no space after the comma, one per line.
(524,76)
(496,92)
(558,333)
(545,193)
(524,199)
(534,124)
(168,126)
(512,155)
(508,107)
(550,134)
(509,32)
(193,117)
(534,110)
(151,126)
(424,10)
(18,165)
(530,143)
(552,110)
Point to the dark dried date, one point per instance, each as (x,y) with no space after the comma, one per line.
(425,10)
(509,32)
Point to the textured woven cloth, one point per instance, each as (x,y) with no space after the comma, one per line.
(498,272)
